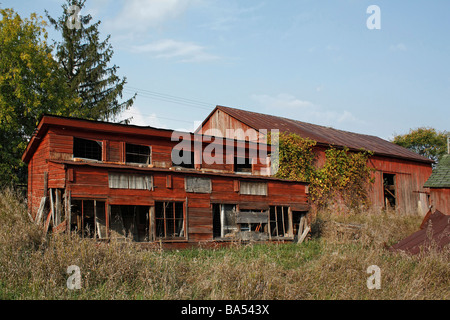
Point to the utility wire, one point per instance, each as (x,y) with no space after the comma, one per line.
(169,98)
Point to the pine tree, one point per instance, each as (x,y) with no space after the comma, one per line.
(85,60)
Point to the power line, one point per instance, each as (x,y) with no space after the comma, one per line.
(169,98)
(156,117)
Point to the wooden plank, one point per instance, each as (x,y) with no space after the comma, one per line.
(198,185)
(40,211)
(52,205)
(45,183)
(252,217)
(57,207)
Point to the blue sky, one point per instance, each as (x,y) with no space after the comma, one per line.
(314,61)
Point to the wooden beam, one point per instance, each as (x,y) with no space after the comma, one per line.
(57,207)
(40,211)
(52,206)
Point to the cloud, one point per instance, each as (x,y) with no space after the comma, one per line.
(140,15)
(140,119)
(282,100)
(303,110)
(168,48)
(398,47)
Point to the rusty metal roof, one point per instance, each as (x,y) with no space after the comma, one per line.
(321,134)
(434,231)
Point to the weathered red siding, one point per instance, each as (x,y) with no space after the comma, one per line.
(440,199)
(82,179)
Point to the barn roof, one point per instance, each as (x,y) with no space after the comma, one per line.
(321,134)
(440,178)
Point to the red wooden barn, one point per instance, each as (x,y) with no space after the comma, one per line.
(400,173)
(107,180)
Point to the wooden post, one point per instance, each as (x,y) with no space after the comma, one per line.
(291,223)
(69,211)
(57,207)
(45,183)
(151,222)
(52,206)
(222,220)
(40,211)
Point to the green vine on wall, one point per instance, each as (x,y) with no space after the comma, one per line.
(345,177)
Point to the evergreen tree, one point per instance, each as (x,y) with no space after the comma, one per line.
(85,60)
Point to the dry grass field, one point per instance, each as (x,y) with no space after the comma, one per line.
(332,264)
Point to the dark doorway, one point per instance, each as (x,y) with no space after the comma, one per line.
(390,194)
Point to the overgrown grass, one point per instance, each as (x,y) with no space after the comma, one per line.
(332,264)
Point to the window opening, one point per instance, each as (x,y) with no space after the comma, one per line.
(87,149)
(137,154)
(169,220)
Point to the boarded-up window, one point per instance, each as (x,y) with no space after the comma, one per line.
(198,185)
(137,154)
(87,149)
(130,181)
(253,188)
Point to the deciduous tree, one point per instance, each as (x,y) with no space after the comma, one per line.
(427,142)
(31,84)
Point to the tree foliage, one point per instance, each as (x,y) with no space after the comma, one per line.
(85,60)
(427,142)
(31,84)
(345,177)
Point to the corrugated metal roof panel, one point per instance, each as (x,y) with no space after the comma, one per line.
(323,135)
(435,231)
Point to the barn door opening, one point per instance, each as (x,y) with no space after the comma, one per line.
(390,194)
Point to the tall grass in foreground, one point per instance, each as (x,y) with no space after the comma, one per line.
(331,265)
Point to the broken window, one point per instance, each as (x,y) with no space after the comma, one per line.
(279,221)
(89,218)
(130,181)
(87,149)
(137,154)
(389,190)
(183,158)
(253,188)
(224,220)
(130,222)
(169,220)
(242,165)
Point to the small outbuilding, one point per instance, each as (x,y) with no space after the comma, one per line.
(439,184)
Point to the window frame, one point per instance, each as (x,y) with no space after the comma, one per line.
(149,159)
(84,157)
(164,221)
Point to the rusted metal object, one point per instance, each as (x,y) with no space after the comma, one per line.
(434,233)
